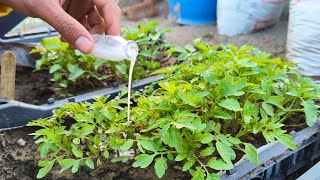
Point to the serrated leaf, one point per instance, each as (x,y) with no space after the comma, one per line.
(75,73)
(90,163)
(207,151)
(276,100)
(268,109)
(77,152)
(45,170)
(188,165)
(286,140)
(160,166)
(180,157)
(190,98)
(55,68)
(143,160)
(230,104)
(75,166)
(127,145)
(251,153)
(206,138)
(199,174)
(66,164)
(184,123)
(44,150)
(219,113)
(226,152)
(311,111)
(219,164)
(122,68)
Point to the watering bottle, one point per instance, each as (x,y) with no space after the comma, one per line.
(114,48)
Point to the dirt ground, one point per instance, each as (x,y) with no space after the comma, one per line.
(271,40)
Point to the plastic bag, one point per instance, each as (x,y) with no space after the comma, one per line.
(303,42)
(242,17)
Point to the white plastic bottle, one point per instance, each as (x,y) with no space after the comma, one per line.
(114,48)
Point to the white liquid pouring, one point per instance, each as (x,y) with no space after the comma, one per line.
(115,48)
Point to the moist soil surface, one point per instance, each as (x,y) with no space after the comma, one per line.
(20,162)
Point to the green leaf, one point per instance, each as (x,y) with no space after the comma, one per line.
(251,153)
(90,163)
(185,123)
(44,150)
(206,138)
(207,151)
(122,68)
(219,164)
(286,140)
(268,109)
(219,113)
(106,154)
(190,98)
(234,140)
(188,165)
(226,152)
(77,72)
(213,176)
(183,56)
(45,170)
(311,111)
(160,166)
(76,141)
(66,164)
(55,68)
(76,166)
(174,138)
(127,145)
(276,100)
(143,160)
(119,158)
(148,145)
(77,152)
(230,104)
(180,157)
(199,174)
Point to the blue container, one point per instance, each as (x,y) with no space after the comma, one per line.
(193,12)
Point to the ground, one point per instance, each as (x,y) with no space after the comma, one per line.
(272,40)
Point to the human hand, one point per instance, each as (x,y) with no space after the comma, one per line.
(74,19)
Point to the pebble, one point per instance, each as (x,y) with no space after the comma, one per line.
(21,142)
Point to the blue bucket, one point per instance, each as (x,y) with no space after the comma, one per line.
(193,12)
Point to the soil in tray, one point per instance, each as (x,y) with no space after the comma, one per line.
(20,162)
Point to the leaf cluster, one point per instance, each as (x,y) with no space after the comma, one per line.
(197,116)
(70,67)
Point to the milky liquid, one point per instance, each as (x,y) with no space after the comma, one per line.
(132,62)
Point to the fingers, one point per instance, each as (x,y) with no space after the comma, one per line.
(95,22)
(111,14)
(69,28)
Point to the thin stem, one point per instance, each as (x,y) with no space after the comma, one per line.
(203,166)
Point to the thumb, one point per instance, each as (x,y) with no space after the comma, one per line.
(69,28)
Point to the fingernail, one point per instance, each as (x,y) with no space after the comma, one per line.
(83,44)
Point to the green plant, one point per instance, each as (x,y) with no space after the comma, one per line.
(197,117)
(71,67)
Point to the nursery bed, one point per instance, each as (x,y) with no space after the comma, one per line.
(18,161)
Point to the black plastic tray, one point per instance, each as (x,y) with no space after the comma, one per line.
(280,163)
(16,114)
